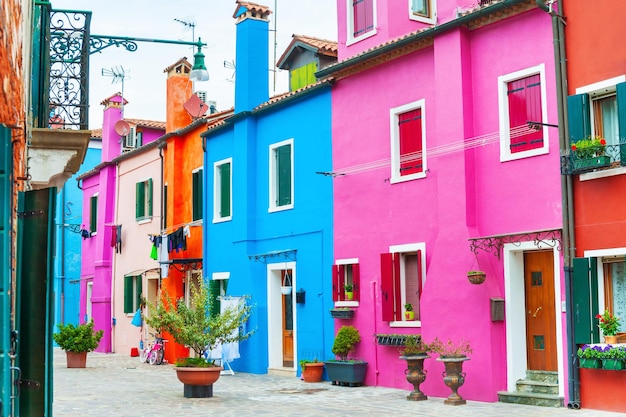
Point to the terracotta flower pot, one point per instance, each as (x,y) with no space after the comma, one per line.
(198,381)
(313,371)
(76,359)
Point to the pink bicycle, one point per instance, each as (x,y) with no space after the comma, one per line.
(153,353)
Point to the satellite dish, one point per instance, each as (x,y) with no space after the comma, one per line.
(195,107)
(122,127)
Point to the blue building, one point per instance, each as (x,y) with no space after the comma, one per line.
(267,208)
(68,226)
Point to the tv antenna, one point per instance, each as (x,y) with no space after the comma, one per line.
(188,23)
(230,65)
(119,74)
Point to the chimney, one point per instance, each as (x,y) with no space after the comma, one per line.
(252,55)
(179,89)
(113,113)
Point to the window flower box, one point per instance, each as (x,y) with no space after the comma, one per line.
(613,364)
(590,363)
(390,339)
(342,313)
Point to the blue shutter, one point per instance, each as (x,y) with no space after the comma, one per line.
(621,119)
(578,117)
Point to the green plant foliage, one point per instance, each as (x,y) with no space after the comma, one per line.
(345,341)
(408,307)
(413,345)
(348,287)
(304,362)
(193,326)
(81,338)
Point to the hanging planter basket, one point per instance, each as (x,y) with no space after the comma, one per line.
(285,290)
(476,277)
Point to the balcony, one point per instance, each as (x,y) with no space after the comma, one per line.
(614,156)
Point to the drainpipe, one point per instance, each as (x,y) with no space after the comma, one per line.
(568,237)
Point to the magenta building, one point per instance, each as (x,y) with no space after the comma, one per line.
(437,172)
(99,231)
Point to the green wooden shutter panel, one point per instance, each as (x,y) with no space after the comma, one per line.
(128,295)
(93,221)
(284,175)
(150,197)
(139,291)
(578,117)
(620,90)
(225,190)
(139,200)
(214,293)
(164,223)
(197,195)
(585,300)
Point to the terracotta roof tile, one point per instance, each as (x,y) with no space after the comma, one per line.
(104,102)
(152,124)
(253,7)
(183,60)
(96,133)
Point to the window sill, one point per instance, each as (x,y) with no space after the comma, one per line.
(274,209)
(602,174)
(346,303)
(222,219)
(144,220)
(415,323)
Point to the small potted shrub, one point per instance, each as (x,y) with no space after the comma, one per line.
(609,324)
(346,371)
(312,370)
(76,341)
(415,352)
(409,314)
(452,355)
(348,288)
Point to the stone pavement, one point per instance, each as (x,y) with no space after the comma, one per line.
(121,386)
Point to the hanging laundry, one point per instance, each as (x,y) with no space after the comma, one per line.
(164,256)
(177,240)
(118,238)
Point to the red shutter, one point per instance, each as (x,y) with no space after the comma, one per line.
(356,281)
(386,286)
(335,282)
(524,97)
(341,281)
(417,310)
(397,312)
(410,130)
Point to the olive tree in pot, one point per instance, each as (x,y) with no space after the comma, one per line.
(192,326)
(345,371)
(76,341)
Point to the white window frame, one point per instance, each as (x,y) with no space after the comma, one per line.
(273,176)
(503,114)
(409,248)
(217,191)
(347,303)
(395,141)
(431,20)
(351,39)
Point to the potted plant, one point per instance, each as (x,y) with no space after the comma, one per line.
(609,324)
(590,152)
(345,371)
(613,357)
(348,288)
(409,314)
(452,355)
(589,356)
(312,370)
(192,326)
(476,277)
(76,341)
(414,352)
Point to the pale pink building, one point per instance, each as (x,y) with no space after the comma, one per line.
(436,173)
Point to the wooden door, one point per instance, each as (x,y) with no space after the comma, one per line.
(540,311)
(288,330)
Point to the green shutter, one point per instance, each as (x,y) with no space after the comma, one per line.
(93,220)
(585,300)
(225,190)
(164,223)
(139,289)
(303,76)
(150,197)
(578,117)
(140,203)
(620,90)
(128,295)
(197,195)
(284,175)
(214,292)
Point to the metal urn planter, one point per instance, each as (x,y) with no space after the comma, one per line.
(415,375)
(454,378)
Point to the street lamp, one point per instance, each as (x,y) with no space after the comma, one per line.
(199,71)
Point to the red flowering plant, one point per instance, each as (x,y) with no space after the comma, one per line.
(609,324)
(590,147)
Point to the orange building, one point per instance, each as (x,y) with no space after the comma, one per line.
(596,166)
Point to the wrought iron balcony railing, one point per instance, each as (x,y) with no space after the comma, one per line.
(614,156)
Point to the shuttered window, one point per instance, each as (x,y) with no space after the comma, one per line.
(410,128)
(143,199)
(93,211)
(401,284)
(343,275)
(224,192)
(362,17)
(197,194)
(303,76)
(585,300)
(524,98)
(164,208)
(281,176)
(132,293)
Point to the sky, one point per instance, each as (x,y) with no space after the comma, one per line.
(144,79)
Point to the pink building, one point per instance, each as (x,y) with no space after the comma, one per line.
(101,235)
(436,172)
